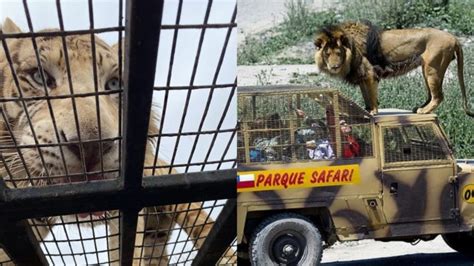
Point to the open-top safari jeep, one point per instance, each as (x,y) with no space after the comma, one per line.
(315,168)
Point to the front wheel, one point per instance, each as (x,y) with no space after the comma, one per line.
(286,239)
(461,242)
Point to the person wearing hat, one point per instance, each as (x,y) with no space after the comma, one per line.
(315,138)
(322,149)
(351,147)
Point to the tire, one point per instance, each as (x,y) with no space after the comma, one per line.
(461,242)
(293,232)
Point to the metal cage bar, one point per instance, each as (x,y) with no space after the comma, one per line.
(20,243)
(143,27)
(222,234)
(36,202)
(141,48)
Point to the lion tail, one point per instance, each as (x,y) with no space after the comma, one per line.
(460,62)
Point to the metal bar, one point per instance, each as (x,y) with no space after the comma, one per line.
(190,187)
(168,81)
(209,99)
(19,242)
(193,87)
(57,33)
(71,87)
(128,229)
(54,97)
(280,89)
(143,19)
(143,25)
(30,146)
(109,29)
(222,234)
(191,83)
(214,138)
(199,26)
(194,164)
(337,126)
(120,110)
(45,89)
(201,132)
(92,196)
(3,189)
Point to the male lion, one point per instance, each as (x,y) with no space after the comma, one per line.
(30,82)
(361,55)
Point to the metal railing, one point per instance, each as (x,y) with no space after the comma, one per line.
(140,193)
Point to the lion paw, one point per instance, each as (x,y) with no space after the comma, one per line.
(420,111)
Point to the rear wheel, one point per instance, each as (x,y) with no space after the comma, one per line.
(461,242)
(286,239)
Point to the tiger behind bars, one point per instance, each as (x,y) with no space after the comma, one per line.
(37,121)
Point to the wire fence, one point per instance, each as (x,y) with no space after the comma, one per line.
(296,124)
(413,143)
(112,154)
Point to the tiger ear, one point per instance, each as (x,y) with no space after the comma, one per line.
(10,27)
(318,43)
(115,47)
(155,119)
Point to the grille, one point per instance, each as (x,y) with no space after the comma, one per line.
(298,123)
(118,154)
(413,143)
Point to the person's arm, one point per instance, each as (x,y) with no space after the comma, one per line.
(354,146)
(301,114)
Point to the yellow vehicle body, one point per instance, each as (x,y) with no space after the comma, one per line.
(406,185)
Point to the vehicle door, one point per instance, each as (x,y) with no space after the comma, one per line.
(416,168)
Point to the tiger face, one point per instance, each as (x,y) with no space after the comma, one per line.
(59,136)
(333,52)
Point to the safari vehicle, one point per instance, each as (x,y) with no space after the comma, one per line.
(401,184)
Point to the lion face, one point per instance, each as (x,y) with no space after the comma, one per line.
(40,125)
(333,54)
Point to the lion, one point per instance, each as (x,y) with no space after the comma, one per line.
(361,54)
(53,122)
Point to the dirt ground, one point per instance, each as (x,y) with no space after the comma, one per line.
(271,74)
(369,252)
(255,16)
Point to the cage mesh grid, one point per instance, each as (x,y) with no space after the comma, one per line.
(182,248)
(230,255)
(6,259)
(412,143)
(84,245)
(26,101)
(295,124)
(67,248)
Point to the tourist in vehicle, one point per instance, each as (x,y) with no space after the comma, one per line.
(351,147)
(314,137)
(320,148)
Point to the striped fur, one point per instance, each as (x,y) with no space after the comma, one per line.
(17,115)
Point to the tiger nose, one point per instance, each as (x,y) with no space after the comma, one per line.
(91,149)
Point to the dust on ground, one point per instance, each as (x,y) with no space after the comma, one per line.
(257,16)
(272,74)
(370,252)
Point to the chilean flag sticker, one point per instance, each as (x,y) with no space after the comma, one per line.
(246,181)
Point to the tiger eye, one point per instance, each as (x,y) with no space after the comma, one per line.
(50,82)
